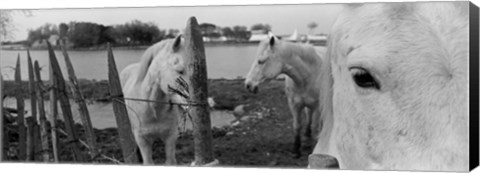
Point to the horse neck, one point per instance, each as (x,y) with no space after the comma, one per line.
(301,63)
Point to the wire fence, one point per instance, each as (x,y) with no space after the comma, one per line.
(182,90)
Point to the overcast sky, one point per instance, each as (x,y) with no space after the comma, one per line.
(284,19)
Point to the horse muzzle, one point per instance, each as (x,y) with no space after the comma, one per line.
(322,161)
(252,88)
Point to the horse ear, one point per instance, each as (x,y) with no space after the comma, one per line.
(177,42)
(272,41)
(270,34)
(272,38)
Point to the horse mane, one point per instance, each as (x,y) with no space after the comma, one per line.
(305,51)
(326,102)
(148,56)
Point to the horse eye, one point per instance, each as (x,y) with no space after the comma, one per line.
(261,61)
(181,72)
(363,78)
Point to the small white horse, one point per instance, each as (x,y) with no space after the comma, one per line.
(160,66)
(397,94)
(300,63)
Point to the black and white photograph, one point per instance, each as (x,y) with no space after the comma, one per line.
(328,86)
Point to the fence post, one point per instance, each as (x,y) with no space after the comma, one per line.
(202,133)
(127,140)
(33,104)
(2,138)
(20,114)
(82,106)
(65,105)
(41,115)
(31,86)
(30,136)
(53,114)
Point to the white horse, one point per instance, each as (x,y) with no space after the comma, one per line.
(398,90)
(301,64)
(160,66)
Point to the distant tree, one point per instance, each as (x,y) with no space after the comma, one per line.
(87,34)
(63,30)
(6,23)
(207,28)
(42,33)
(228,32)
(106,35)
(138,33)
(265,27)
(241,33)
(312,26)
(210,30)
(172,33)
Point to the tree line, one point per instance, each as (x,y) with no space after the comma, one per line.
(89,34)
(133,33)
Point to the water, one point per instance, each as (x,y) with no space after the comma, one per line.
(223,61)
(101,114)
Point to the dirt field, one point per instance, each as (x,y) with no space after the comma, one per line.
(264,139)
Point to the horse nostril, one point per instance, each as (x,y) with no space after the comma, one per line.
(247,86)
(255,90)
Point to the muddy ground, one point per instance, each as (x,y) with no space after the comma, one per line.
(264,138)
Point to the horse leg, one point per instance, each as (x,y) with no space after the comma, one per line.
(296,110)
(308,130)
(170,144)
(317,122)
(145,146)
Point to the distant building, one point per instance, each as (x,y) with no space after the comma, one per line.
(215,39)
(316,37)
(320,40)
(294,37)
(258,35)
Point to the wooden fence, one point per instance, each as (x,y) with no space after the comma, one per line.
(2,122)
(34,141)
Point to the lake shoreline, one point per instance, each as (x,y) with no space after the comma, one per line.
(136,47)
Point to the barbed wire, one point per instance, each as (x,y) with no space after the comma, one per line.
(118,98)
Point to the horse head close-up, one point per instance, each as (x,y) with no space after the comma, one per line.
(399,87)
